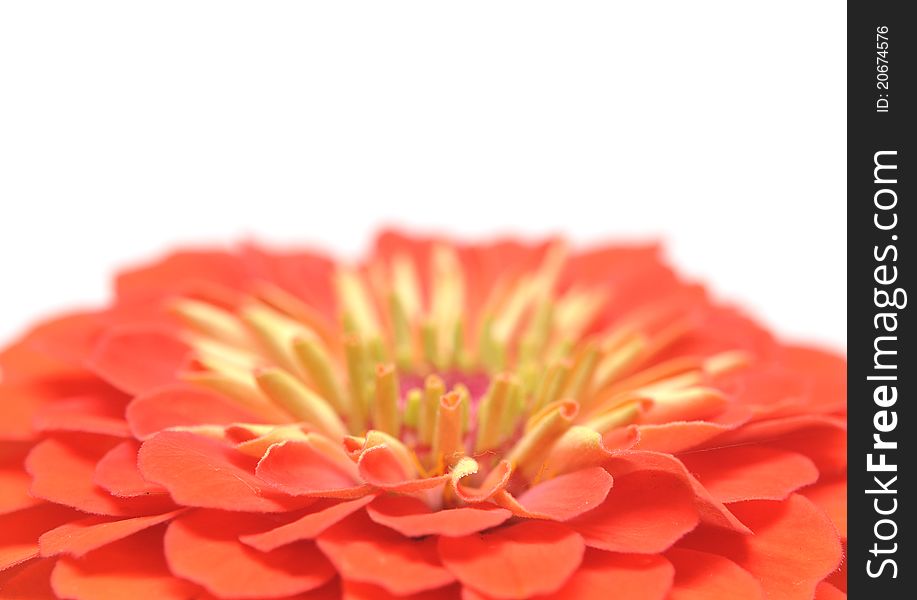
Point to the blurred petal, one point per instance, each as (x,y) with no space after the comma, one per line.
(180,271)
(701,575)
(203,546)
(80,537)
(825,375)
(518,561)
(90,414)
(606,575)
(68,338)
(130,568)
(21,401)
(21,529)
(413,518)
(18,405)
(14,481)
(356,590)
(364,551)
(28,581)
(138,358)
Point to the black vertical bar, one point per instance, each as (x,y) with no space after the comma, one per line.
(880,273)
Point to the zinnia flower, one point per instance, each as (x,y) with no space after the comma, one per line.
(441,421)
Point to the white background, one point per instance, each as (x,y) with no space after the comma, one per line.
(719,128)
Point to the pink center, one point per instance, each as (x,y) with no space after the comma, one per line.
(477,383)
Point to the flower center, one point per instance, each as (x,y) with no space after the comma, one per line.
(512,383)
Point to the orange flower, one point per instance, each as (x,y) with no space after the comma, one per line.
(443,421)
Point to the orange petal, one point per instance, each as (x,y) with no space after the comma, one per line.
(300,470)
(28,581)
(645,513)
(183,405)
(21,361)
(69,338)
(306,527)
(567,496)
(522,560)
(130,568)
(582,447)
(413,518)
(701,575)
(839,577)
(677,437)
(364,551)
(495,482)
(711,511)
(825,372)
(606,575)
(180,270)
(826,591)
(62,471)
(90,414)
(765,388)
(201,471)
(117,472)
(329,591)
(823,439)
(831,496)
(793,548)
(825,445)
(356,590)
(14,481)
(750,472)
(203,547)
(21,529)
(379,466)
(19,403)
(138,358)
(305,275)
(79,537)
